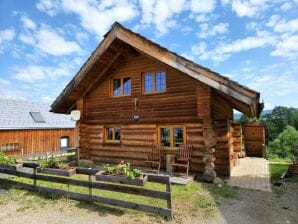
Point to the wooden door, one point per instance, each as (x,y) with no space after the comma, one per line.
(254,136)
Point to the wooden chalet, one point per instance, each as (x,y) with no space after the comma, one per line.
(29,128)
(133,93)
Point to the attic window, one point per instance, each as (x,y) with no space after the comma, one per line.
(37,117)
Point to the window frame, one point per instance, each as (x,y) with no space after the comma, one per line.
(121,86)
(106,140)
(154,73)
(171,127)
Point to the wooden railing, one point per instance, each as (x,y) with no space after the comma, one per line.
(164,195)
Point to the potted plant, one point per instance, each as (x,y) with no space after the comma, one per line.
(122,173)
(9,162)
(54,167)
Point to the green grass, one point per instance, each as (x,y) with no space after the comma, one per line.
(280,160)
(276,170)
(195,199)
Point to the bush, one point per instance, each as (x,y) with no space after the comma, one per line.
(6,160)
(285,145)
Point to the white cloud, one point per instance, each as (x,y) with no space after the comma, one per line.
(51,7)
(248,8)
(206,31)
(6,35)
(286,26)
(27,38)
(94,16)
(267,84)
(4,82)
(286,6)
(28,23)
(35,73)
(50,42)
(202,6)
(30,73)
(287,47)
(161,13)
(225,50)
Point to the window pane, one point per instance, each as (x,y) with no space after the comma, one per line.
(116,87)
(178,136)
(160,81)
(165,138)
(109,134)
(126,86)
(148,82)
(117,134)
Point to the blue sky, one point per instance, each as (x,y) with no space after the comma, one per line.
(255,42)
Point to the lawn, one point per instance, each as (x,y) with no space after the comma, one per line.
(276,170)
(280,160)
(196,199)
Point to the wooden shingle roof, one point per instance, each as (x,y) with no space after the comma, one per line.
(241,98)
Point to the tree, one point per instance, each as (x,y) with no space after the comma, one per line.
(285,145)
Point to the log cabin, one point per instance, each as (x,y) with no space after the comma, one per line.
(29,128)
(132,92)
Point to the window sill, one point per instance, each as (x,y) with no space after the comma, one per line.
(112,143)
(156,92)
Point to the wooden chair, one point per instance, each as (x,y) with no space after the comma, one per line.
(183,157)
(153,161)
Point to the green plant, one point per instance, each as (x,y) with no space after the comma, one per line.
(7,160)
(122,169)
(52,163)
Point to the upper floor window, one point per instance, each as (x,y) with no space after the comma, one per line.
(122,86)
(154,82)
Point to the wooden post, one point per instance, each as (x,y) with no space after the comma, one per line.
(34,172)
(78,155)
(169,201)
(90,184)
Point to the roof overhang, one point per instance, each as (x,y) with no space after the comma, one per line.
(242,98)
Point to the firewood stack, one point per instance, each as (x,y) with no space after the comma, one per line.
(209,158)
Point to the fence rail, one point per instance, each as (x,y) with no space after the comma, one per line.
(163,195)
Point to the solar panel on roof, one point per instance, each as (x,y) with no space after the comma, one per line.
(37,117)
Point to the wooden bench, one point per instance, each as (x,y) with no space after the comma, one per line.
(12,149)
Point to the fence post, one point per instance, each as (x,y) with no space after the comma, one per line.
(169,201)
(90,184)
(34,173)
(78,155)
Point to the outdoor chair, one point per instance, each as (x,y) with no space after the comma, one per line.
(154,158)
(183,157)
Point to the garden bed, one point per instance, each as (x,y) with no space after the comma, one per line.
(121,179)
(59,172)
(17,166)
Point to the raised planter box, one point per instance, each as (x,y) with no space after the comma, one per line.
(12,167)
(293,169)
(101,176)
(59,172)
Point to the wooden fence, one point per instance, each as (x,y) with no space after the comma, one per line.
(164,195)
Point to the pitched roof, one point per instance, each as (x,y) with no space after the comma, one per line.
(242,98)
(15,114)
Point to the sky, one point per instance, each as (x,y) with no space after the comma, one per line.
(44,43)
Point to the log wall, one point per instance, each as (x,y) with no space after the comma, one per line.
(37,141)
(186,102)
(222,113)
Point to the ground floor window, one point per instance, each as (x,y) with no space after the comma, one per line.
(64,142)
(171,136)
(112,134)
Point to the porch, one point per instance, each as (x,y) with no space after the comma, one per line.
(251,173)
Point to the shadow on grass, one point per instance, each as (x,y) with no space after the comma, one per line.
(25,196)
